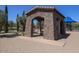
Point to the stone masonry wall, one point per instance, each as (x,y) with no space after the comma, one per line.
(48,24)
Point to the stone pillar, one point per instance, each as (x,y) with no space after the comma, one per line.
(28,27)
(48,27)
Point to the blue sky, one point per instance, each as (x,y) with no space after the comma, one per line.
(67,10)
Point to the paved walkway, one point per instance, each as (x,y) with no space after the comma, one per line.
(38,44)
(40,39)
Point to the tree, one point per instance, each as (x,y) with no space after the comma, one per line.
(22,21)
(6,20)
(1,20)
(17,22)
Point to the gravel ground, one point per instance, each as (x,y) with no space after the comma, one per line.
(21,44)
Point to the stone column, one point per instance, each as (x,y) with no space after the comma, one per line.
(28,27)
(48,27)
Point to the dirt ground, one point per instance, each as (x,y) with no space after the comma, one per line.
(38,44)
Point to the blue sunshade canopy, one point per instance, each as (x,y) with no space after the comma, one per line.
(69,20)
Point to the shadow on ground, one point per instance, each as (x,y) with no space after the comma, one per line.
(65,36)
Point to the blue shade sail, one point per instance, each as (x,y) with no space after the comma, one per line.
(69,20)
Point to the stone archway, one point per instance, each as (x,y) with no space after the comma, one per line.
(47,18)
(37,26)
